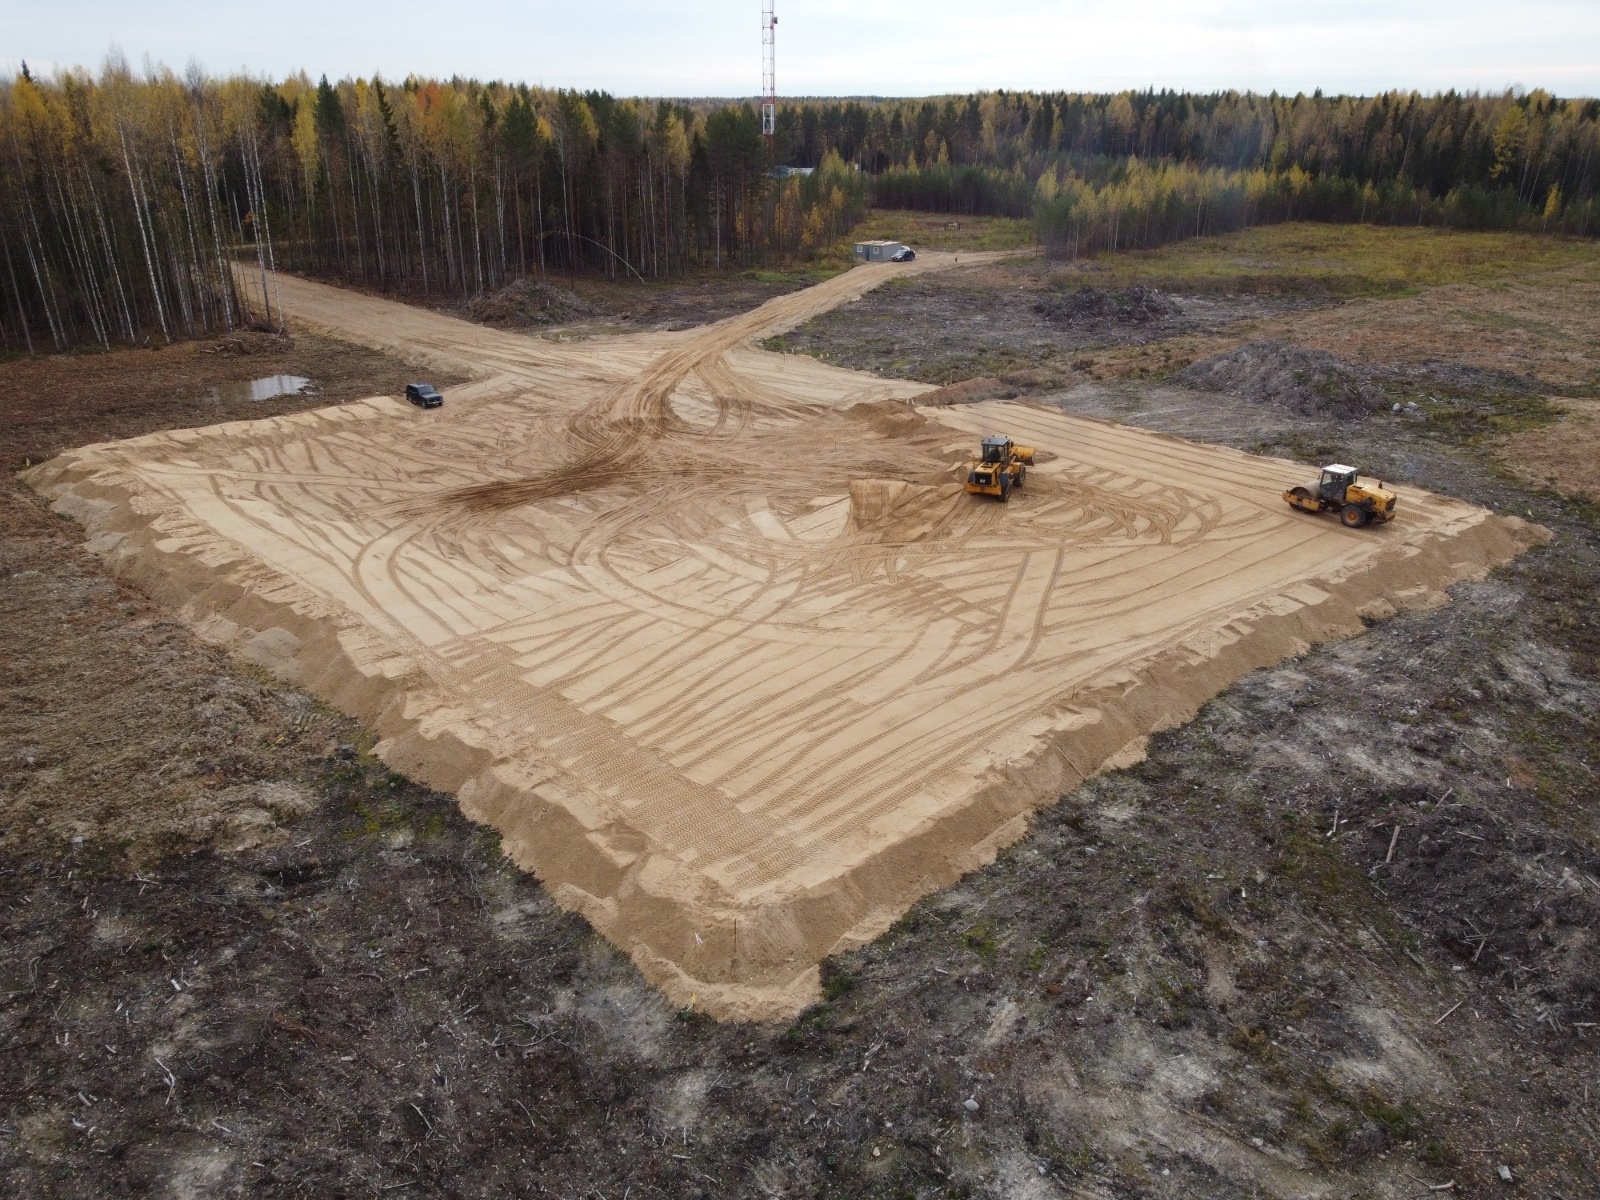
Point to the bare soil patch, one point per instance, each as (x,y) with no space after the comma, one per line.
(1178,984)
(1564,455)
(691,303)
(1015,321)
(587,305)
(1545,326)
(1096,308)
(180,756)
(562,634)
(55,401)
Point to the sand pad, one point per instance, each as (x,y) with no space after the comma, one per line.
(714,637)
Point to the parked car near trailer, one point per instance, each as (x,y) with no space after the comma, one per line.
(905,254)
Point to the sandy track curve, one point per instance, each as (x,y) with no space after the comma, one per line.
(712,636)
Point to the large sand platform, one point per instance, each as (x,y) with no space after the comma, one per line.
(713,637)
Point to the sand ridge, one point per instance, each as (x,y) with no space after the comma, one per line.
(713,637)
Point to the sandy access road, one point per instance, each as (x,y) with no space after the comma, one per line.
(713,637)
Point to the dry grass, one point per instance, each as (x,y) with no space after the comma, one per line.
(1341,260)
(935,231)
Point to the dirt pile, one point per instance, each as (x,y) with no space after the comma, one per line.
(1313,383)
(967,391)
(1027,381)
(1138,305)
(528,302)
(895,511)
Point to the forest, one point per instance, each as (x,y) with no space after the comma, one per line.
(140,207)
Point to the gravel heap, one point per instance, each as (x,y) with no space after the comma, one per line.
(528,302)
(1312,383)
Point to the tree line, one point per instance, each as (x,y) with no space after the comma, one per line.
(128,204)
(1108,171)
(1141,204)
(1529,144)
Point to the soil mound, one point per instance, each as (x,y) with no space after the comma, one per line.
(890,418)
(1008,386)
(1138,305)
(897,511)
(1313,383)
(967,391)
(528,302)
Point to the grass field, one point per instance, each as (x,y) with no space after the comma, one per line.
(1302,257)
(1339,260)
(934,231)
(706,293)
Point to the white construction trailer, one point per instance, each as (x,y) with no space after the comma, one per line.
(878,251)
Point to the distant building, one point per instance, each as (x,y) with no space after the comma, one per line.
(878,251)
(786,172)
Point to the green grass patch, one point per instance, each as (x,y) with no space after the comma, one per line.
(1194,904)
(1300,448)
(1396,1120)
(1033,962)
(1440,1155)
(982,941)
(837,983)
(810,273)
(930,231)
(1476,420)
(1335,260)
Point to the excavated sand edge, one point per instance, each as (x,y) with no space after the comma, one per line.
(744,962)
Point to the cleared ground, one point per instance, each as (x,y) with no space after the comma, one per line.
(712,636)
(1333,937)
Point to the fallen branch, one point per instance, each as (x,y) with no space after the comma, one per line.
(867,1061)
(1446,1186)
(172,1081)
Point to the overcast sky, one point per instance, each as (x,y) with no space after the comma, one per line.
(845,47)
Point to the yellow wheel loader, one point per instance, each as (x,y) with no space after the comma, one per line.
(1002,465)
(1337,491)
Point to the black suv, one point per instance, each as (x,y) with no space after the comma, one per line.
(423,394)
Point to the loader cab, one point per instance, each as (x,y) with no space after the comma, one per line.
(995,449)
(1336,481)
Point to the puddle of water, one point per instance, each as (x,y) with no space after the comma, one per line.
(263,389)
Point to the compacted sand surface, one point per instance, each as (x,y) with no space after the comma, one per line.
(713,637)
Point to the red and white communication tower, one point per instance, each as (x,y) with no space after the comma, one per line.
(769,80)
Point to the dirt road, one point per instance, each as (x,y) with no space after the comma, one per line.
(713,637)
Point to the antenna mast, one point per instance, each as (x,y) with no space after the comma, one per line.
(769,85)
